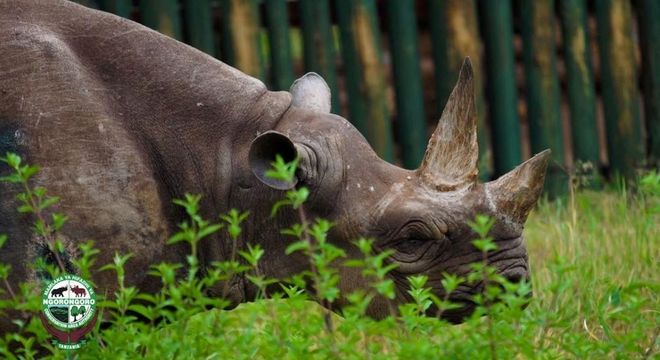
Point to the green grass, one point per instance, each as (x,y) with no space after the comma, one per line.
(594,259)
(599,300)
(595,277)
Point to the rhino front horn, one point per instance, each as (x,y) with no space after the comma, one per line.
(451,157)
(515,193)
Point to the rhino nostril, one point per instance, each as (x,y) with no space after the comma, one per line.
(516,277)
(516,274)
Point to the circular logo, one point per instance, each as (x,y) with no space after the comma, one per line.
(69,302)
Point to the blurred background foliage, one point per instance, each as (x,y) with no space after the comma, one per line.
(580,77)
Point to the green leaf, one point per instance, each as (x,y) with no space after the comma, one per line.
(298,196)
(282,170)
(59,220)
(385,288)
(365,245)
(178,237)
(418,281)
(330,294)
(39,191)
(450,282)
(12,178)
(28,171)
(482,225)
(485,245)
(296,230)
(253,254)
(354,263)
(386,269)
(148,312)
(40,227)
(59,246)
(49,201)
(319,230)
(278,205)
(4,270)
(25,209)
(234,219)
(190,203)
(292,291)
(297,246)
(209,230)
(12,159)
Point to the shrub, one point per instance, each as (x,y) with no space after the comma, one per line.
(594,273)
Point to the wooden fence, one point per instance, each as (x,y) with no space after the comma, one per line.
(579,77)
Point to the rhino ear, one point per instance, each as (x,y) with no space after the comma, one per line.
(312,93)
(515,193)
(262,153)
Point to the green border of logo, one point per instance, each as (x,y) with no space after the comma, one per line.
(56,328)
(88,288)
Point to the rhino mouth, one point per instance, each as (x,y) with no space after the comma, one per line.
(516,272)
(466,308)
(513,269)
(458,315)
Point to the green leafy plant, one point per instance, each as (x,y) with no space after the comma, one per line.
(594,274)
(35,201)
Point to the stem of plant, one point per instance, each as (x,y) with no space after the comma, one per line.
(441,311)
(649,351)
(9,289)
(230,275)
(13,295)
(262,287)
(315,273)
(47,231)
(489,318)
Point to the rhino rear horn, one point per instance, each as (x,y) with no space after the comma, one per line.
(451,157)
(311,92)
(515,193)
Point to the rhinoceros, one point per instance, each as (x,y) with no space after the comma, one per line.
(122,120)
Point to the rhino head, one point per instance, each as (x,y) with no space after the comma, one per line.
(422,215)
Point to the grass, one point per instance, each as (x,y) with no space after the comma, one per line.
(594,259)
(610,244)
(595,277)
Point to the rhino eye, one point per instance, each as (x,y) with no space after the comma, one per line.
(409,246)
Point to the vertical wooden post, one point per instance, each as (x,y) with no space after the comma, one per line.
(277,21)
(580,79)
(365,80)
(442,51)
(121,8)
(162,15)
(497,24)
(455,35)
(318,51)
(543,95)
(648,12)
(199,25)
(353,71)
(411,125)
(619,84)
(226,43)
(240,36)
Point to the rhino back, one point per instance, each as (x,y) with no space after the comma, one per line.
(121,119)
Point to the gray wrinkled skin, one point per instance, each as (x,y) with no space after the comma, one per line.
(122,119)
